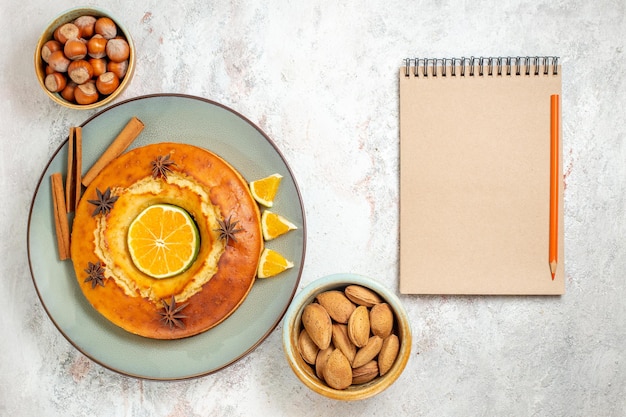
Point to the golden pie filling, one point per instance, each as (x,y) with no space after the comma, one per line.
(111,232)
(194,182)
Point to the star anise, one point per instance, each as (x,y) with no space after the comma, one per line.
(228,229)
(96,274)
(161,166)
(104,203)
(171,315)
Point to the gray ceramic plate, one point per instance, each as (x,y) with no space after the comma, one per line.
(200,122)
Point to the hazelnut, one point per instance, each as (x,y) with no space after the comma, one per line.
(65,32)
(117,49)
(107,83)
(75,49)
(48,70)
(48,48)
(96,46)
(58,61)
(119,68)
(86,25)
(55,82)
(86,93)
(99,66)
(80,71)
(106,27)
(68,92)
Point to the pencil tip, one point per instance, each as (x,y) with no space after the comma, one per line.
(553,269)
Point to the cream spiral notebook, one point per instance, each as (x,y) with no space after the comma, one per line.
(475,176)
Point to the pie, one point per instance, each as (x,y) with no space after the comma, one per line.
(214,194)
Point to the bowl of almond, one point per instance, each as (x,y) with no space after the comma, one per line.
(85,58)
(346,337)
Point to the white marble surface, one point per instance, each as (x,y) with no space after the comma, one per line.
(321,79)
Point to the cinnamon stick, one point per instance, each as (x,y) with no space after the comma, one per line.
(61,224)
(119,145)
(78,165)
(70,181)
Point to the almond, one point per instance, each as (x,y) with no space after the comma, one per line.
(318,325)
(339,307)
(381,320)
(321,360)
(388,353)
(365,373)
(342,341)
(362,296)
(367,352)
(338,372)
(359,326)
(307,348)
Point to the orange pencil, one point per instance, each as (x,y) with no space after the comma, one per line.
(554,182)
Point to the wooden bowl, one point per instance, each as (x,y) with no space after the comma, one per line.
(69,16)
(292,325)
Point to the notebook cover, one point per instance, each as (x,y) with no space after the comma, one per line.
(474,185)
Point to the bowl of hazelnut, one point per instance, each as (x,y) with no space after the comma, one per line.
(85,58)
(346,337)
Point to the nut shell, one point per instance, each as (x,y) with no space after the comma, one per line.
(118,68)
(49,47)
(321,360)
(117,50)
(99,66)
(75,49)
(362,296)
(359,326)
(86,93)
(55,82)
(318,324)
(105,27)
(338,372)
(388,353)
(365,373)
(307,348)
(65,32)
(342,342)
(80,71)
(58,61)
(381,320)
(107,83)
(368,352)
(68,91)
(337,304)
(86,25)
(96,46)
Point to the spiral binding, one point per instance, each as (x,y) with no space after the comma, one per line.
(481,66)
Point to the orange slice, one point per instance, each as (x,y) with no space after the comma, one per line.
(274,225)
(264,190)
(272,263)
(163,241)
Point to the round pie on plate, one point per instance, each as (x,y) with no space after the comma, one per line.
(223,232)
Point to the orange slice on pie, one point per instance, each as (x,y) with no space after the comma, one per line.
(163,241)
